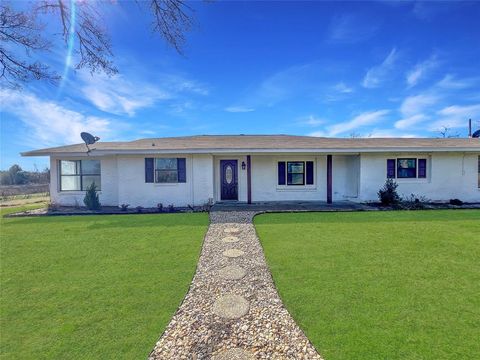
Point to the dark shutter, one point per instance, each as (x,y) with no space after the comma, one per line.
(182,170)
(281,173)
(149,170)
(422,168)
(309,175)
(391,168)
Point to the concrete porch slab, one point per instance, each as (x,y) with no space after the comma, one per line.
(279,206)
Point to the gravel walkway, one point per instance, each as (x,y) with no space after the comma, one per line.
(232,310)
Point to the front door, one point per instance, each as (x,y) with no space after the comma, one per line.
(228,180)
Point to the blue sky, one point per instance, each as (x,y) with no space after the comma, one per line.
(377,69)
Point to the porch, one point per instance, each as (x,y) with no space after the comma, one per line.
(287,206)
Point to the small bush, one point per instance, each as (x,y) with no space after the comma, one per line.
(139,209)
(388,193)
(53,206)
(124,207)
(171,208)
(91,200)
(456,202)
(413,202)
(160,207)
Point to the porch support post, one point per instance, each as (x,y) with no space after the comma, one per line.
(249,179)
(329,179)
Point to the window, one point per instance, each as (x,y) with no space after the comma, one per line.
(77,175)
(407,168)
(165,170)
(295,173)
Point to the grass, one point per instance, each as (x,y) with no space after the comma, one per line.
(84,287)
(380,285)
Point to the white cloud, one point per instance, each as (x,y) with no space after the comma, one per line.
(121,95)
(412,121)
(50,124)
(450,82)
(318,133)
(239,109)
(359,121)
(311,120)
(343,88)
(414,105)
(390,133)
(420,70)
(350,28)
(455,116)
(376,75)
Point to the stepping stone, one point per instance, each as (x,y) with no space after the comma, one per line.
(233,253)
(232,230)
(231,306)
(233,354)
(233,272)
(230,239)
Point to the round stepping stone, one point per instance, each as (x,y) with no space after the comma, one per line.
(233,272)
(234,354)
(230,239)
(231,306)
(233,253)
(231,230)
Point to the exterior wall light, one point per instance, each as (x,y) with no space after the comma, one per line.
(243,165)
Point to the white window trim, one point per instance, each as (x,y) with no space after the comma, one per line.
(73,192)
(296,188)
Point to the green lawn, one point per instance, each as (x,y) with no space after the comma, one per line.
(91,287)
(380,285)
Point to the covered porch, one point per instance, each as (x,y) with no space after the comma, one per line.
(287,178)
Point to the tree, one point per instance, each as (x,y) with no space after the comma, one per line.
(445,132)
(91,199)
(22,38)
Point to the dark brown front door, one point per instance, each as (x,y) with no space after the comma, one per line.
(228,180)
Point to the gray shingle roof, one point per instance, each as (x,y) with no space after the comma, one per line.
(265,143)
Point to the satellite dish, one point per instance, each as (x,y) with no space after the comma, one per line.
(476,134)
(89,139)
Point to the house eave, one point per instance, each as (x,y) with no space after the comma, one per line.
(106,152)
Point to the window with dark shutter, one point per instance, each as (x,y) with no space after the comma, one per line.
(391,168)
(422,168)
(309,174)
(281,173)
(149,170)
(182,170)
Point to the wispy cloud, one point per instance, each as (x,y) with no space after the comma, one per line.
(410,122)
(122,95)
(451,82)
(416,104)
(50,124)
(350,28)
(420,70)
(341,87)
(358,122)
(239,109)
(455,116)
(311,120)
(376,75)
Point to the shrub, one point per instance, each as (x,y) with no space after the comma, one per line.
(91,200)
(171,208)
(456,202)
(414,202)
(388,193)
(160,207)
(124,207)
(139,209)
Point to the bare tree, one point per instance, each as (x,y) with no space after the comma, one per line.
(445,132)
(21,35)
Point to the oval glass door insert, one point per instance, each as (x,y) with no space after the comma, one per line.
(228,174)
